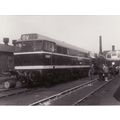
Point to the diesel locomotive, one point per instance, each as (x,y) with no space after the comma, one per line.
(113,59)
(42,60)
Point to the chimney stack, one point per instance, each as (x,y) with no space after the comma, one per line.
(113,47)
(100,44)
(6,41)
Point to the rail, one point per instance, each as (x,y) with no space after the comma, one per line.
(61,94)
(94,91)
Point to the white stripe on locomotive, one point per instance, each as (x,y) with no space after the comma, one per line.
(51,67)
(41,52)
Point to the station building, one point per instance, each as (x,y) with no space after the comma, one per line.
(6,56)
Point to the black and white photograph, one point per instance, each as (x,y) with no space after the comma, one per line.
(65,60)
(59,59)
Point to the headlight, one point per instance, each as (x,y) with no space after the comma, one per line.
(113,63)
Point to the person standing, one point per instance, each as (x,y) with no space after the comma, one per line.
(114,71)
(100,72)
(91,72)
(106,72)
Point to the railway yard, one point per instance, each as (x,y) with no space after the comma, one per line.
(59,67)
(43,71)
(78,92)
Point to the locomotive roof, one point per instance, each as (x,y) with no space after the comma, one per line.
(61,43)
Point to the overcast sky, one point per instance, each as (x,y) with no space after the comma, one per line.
(82,31)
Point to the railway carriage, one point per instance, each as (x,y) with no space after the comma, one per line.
(42,60)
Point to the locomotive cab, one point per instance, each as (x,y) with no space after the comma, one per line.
(31,55)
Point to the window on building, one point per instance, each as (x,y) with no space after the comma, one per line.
(118,54)
(109,56)
(113,54)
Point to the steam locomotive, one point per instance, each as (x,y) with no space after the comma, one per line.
(42,60)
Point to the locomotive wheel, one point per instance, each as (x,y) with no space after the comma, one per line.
(9,84)
(34,79)
(18,84)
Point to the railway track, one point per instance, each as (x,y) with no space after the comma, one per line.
(48,100)
(53,98)
(92,92)
(7,93)
(15,91)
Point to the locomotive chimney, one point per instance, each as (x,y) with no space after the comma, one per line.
(113,47)
(100,44)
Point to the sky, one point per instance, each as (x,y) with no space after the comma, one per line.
(79,30)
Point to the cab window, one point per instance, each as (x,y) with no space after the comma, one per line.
(48,46)
(61,50)
(37,45)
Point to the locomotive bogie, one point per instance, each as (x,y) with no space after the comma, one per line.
(49,77)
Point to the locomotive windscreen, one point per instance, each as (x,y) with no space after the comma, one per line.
(28,46)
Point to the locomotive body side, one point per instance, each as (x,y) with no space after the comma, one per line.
(44,61)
